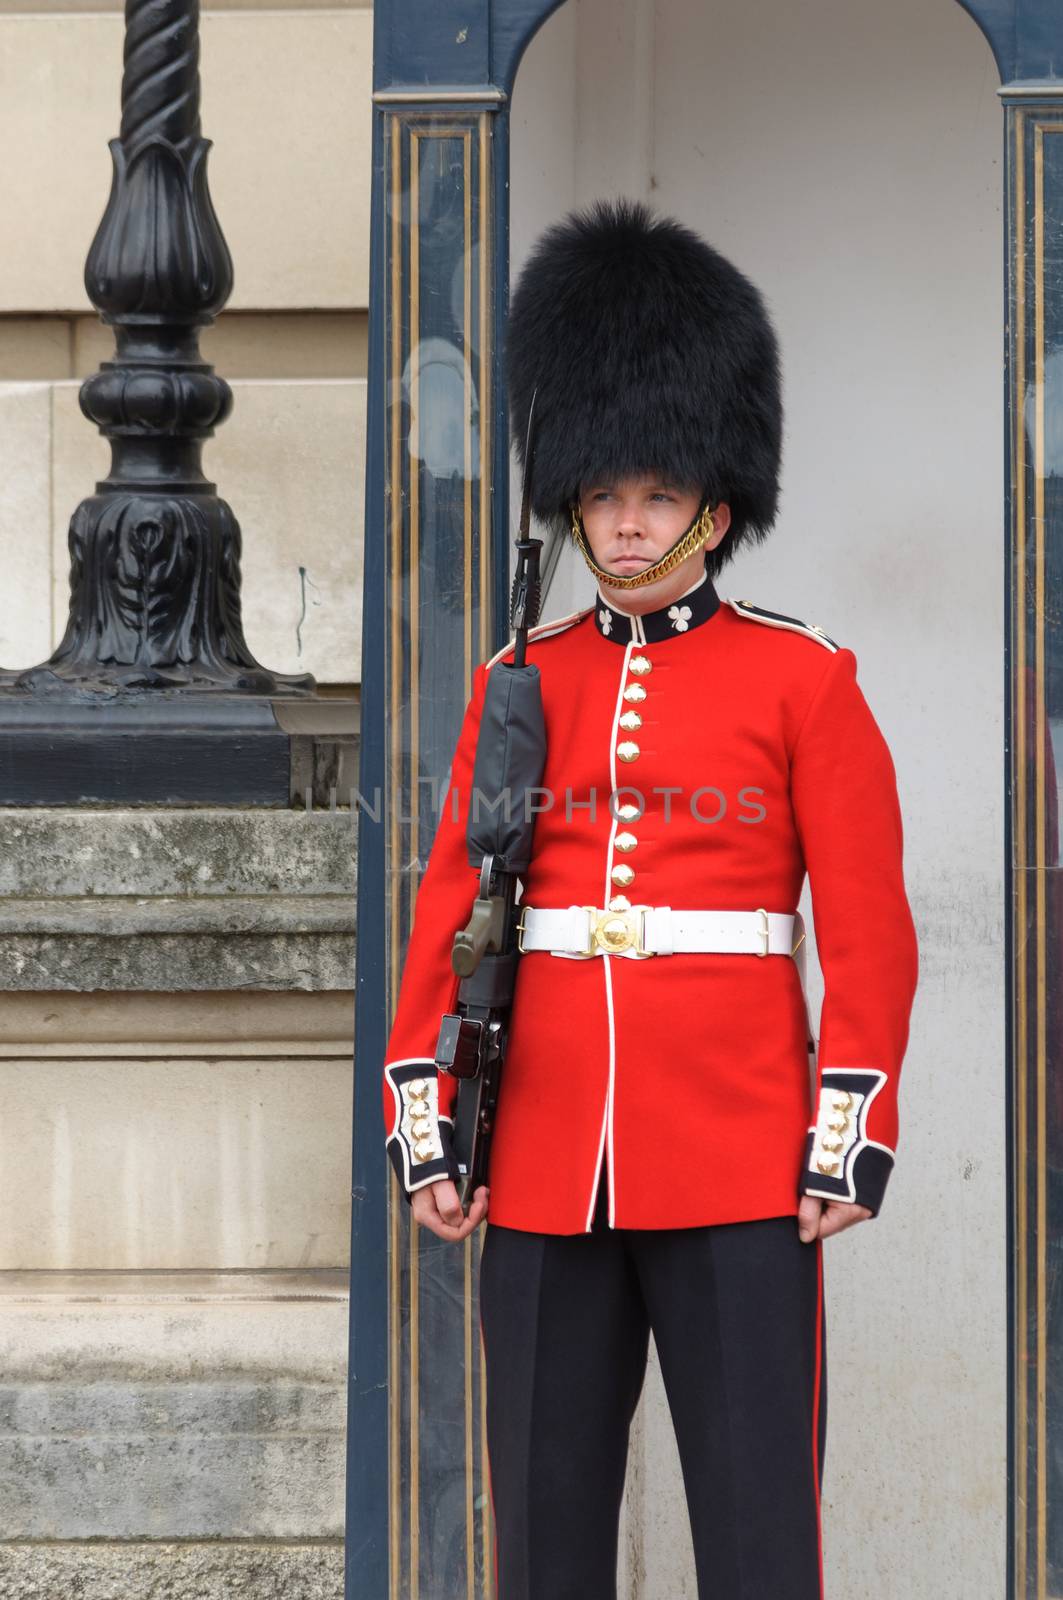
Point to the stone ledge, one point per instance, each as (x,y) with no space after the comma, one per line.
(220,1571)
(180,962)
(128,916)
(183,1288)
(146,1024)
(139,1340)
(176,901)
(82,851)
(172,1406)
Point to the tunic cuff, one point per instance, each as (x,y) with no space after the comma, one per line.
(841,1162)
(420,1142)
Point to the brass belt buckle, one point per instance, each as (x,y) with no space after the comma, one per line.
(613,932)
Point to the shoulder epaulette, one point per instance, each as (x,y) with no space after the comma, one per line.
(775,619)
(544,630)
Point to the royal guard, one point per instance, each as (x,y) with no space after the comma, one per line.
(670,1148)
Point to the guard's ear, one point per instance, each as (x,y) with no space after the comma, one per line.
(721,521)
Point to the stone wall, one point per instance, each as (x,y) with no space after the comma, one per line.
(175,1070)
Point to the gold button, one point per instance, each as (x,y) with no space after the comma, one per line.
(627,750)
(424,1149)
(623,874)
(828,1164)
(841,1100)
(620,902)
(628,811)
(630,720)
(625,842)
(640,665)
(417,1087)
(421,1128)
(832,1141)
(634,693)
(838,1121)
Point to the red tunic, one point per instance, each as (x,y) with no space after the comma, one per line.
(685,1077)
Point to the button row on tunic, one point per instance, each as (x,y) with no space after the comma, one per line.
(627,750)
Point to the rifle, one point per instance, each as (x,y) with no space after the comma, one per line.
(510,757)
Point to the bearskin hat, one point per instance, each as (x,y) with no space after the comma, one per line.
(646,351)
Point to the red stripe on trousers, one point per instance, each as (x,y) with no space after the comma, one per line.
(486,1468)
(815,1405)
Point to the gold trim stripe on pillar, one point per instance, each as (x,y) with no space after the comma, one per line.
(1029,130)
(394,785)
(467,391)
(486,416)
(1039,837)
(409,134)
(1020,837)
(413,1242)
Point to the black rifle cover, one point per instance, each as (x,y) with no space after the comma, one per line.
(510,757)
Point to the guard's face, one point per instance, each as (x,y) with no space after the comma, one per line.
(631,522)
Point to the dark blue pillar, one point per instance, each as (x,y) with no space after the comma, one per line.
(1027,40)
(435,604)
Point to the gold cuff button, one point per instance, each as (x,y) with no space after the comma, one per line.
(832,1141)
(417,1088)
(625,842)
(841,1100)
(623,874)
(628,750)
(424,1149)
(828,1165)
(838,1121)
(421,1128)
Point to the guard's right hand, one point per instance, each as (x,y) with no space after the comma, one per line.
(437,1206)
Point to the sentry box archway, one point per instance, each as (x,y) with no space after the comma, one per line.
(435,603)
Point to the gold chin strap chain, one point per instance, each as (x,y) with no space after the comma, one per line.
(701,529)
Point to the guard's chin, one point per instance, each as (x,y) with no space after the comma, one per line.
(642,589)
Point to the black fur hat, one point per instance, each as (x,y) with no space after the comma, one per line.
(649,351)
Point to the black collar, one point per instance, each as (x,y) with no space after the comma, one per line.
(697,605)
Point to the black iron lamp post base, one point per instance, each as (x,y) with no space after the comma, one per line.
(157,748)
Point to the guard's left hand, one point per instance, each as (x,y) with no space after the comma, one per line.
(818,1218)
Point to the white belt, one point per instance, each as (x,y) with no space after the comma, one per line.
(657,931)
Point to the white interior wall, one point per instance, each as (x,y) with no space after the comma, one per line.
(847,155)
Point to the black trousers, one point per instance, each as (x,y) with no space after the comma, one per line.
(736,1312)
